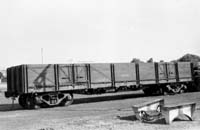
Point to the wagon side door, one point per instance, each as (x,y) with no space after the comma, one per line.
(65,78)
(80,76)
(171,72)
(162,74)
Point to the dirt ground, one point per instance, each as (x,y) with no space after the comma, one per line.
(87,114)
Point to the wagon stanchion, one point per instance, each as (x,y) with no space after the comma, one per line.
(13,101)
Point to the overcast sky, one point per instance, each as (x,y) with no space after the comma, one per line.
(97,30)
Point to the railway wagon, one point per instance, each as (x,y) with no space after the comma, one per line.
(54,84)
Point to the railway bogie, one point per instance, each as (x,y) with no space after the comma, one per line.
(31,101)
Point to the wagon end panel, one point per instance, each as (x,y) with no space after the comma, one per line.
(19,76)
(15,84)
(9,85)
(125,74)
(100,75)
(10,82)
(40,78)
(147,73)
(184,71)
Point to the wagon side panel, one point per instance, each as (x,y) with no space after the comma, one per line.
(184,70)
(100,75)
(147,73)
(41,78)
(125,74)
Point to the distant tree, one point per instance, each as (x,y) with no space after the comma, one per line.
(135,60)
(150,60)
(162,61)
(190,58)
(1,75)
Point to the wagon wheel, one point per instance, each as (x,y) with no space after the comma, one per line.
(160,91)
(147,91)
(183,88)
(68,100)
(22,100)
(30,102)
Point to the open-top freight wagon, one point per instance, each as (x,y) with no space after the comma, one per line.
(54,84)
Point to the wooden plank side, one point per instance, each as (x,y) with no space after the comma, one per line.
(147,73)
(184,69)
(41,78)
(100,73)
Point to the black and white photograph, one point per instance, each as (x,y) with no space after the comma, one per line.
(99,64)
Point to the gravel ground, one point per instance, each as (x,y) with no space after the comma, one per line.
(88,115)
